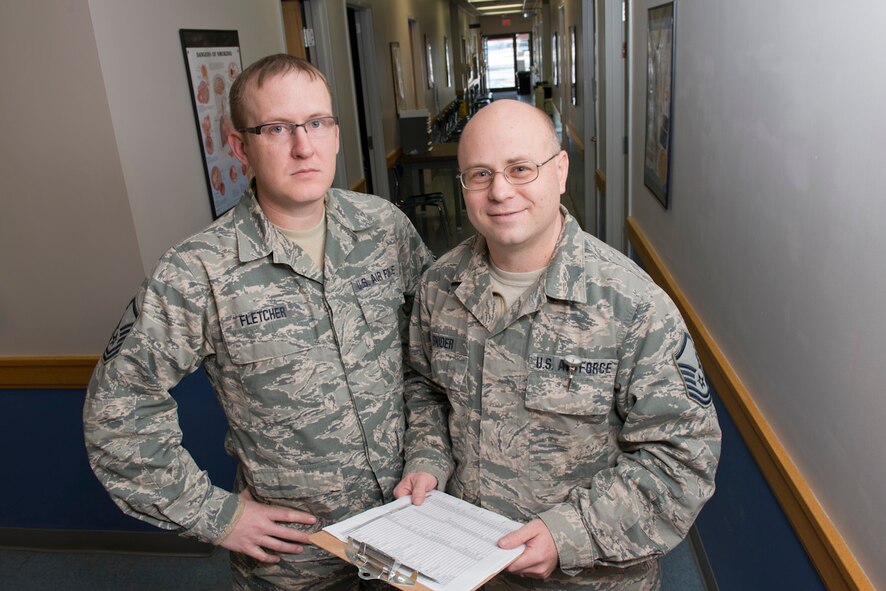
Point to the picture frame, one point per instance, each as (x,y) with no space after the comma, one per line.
(212,62)
(397,74)
(660,61)
(447,61)
(429,53)
(573,66)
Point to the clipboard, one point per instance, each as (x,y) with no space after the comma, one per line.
(373,563)
(335,546)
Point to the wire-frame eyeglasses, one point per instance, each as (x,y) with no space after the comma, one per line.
(517,173)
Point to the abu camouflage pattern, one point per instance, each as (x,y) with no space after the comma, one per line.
(306,363)
(571,408)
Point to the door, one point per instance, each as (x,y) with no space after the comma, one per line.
(357,69)
(293,24)
(368,101)
(584,63)
(501,62)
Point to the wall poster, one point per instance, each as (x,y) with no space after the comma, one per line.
(212,60)
(397,71)
(430,61)
(659,108)
(573,66)
(447,61)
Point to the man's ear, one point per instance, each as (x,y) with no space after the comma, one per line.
(238,144)
(563,169)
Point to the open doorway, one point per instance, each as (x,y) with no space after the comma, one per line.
(293,25)
(368,102)
(365,138)
(508,57)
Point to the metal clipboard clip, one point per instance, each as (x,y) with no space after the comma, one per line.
(372,564)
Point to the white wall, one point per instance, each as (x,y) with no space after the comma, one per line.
(147,89)
(68,262)
(101,165)
(775,232)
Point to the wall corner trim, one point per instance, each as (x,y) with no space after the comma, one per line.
(46,372)
(826,548)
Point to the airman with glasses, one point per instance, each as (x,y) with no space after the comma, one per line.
(293,303)
(551,378)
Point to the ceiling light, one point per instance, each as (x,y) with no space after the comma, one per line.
(511,7)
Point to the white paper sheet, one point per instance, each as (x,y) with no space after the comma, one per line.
(452,543)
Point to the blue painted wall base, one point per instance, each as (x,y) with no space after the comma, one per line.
(49,483)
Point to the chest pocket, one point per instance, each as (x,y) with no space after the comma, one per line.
(380,304)
(449,363)
(277,358)
(569,427)
(380,329)
(259,329)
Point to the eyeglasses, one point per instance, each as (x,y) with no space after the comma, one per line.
(518,173)
(281,131)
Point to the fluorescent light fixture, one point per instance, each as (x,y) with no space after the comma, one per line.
(511,7)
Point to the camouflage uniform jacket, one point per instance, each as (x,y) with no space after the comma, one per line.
(308,367)
(584,405)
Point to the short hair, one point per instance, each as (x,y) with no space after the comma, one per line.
(550,130)
(267,67)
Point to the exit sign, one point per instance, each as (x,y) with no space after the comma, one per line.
(506,22)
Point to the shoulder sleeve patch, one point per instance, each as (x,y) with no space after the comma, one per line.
(691,372)
(121,332)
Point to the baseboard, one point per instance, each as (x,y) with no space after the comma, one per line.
(118,542)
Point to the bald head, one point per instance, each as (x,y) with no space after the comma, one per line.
(518,123)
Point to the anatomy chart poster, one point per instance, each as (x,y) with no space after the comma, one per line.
(213,62)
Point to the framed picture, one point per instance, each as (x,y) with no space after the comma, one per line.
(659,106)
(573,66)
(397,72)
(466,62)
(447,61)
(430,62)
(212,62)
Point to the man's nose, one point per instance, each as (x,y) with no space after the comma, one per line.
(500,189)
(302,146)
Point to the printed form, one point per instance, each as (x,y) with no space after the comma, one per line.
(450,542)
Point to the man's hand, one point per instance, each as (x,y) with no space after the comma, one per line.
(259,530)
(540,558)
(416,484)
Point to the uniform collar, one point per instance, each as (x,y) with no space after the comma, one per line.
(257,237)
(563,280)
